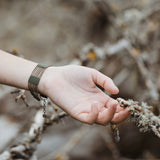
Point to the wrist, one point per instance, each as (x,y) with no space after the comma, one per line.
(45,81)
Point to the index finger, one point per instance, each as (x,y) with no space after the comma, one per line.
(105,82)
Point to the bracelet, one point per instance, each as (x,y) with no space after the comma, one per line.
(34,79)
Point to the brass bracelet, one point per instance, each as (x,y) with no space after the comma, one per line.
(34,79)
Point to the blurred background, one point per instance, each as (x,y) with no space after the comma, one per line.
(121,38)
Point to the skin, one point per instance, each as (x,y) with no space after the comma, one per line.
(71,87)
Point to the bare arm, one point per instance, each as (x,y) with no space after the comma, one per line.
(15,71)
(72,87)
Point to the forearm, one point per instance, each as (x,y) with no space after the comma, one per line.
(15,71)
(71,87)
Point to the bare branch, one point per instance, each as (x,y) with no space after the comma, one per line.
(25,149)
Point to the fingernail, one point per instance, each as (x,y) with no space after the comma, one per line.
(117,88)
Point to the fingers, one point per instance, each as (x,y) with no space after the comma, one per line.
(90,117)
(106,115)
(101,114)
(105,82)
(121,116)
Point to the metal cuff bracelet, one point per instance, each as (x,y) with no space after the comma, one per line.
(34,79)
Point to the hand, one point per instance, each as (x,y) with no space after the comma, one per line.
(74,89)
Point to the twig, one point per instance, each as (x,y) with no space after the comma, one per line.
(142,115)
(110,143)
(21,95)
(72,142)
(25,149)
(153,91)
(101,52)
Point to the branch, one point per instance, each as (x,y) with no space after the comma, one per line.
(21,95)
(25,149)
(73,141)
(153,91)
(142,114)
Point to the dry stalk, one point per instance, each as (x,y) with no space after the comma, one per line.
(27,147)
(143,116)
(21,95)
(153,91)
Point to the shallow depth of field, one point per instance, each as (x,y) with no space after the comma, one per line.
(120,38)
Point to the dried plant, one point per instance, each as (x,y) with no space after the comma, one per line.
(25,149)
(143,116)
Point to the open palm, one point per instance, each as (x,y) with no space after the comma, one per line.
(74,89)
